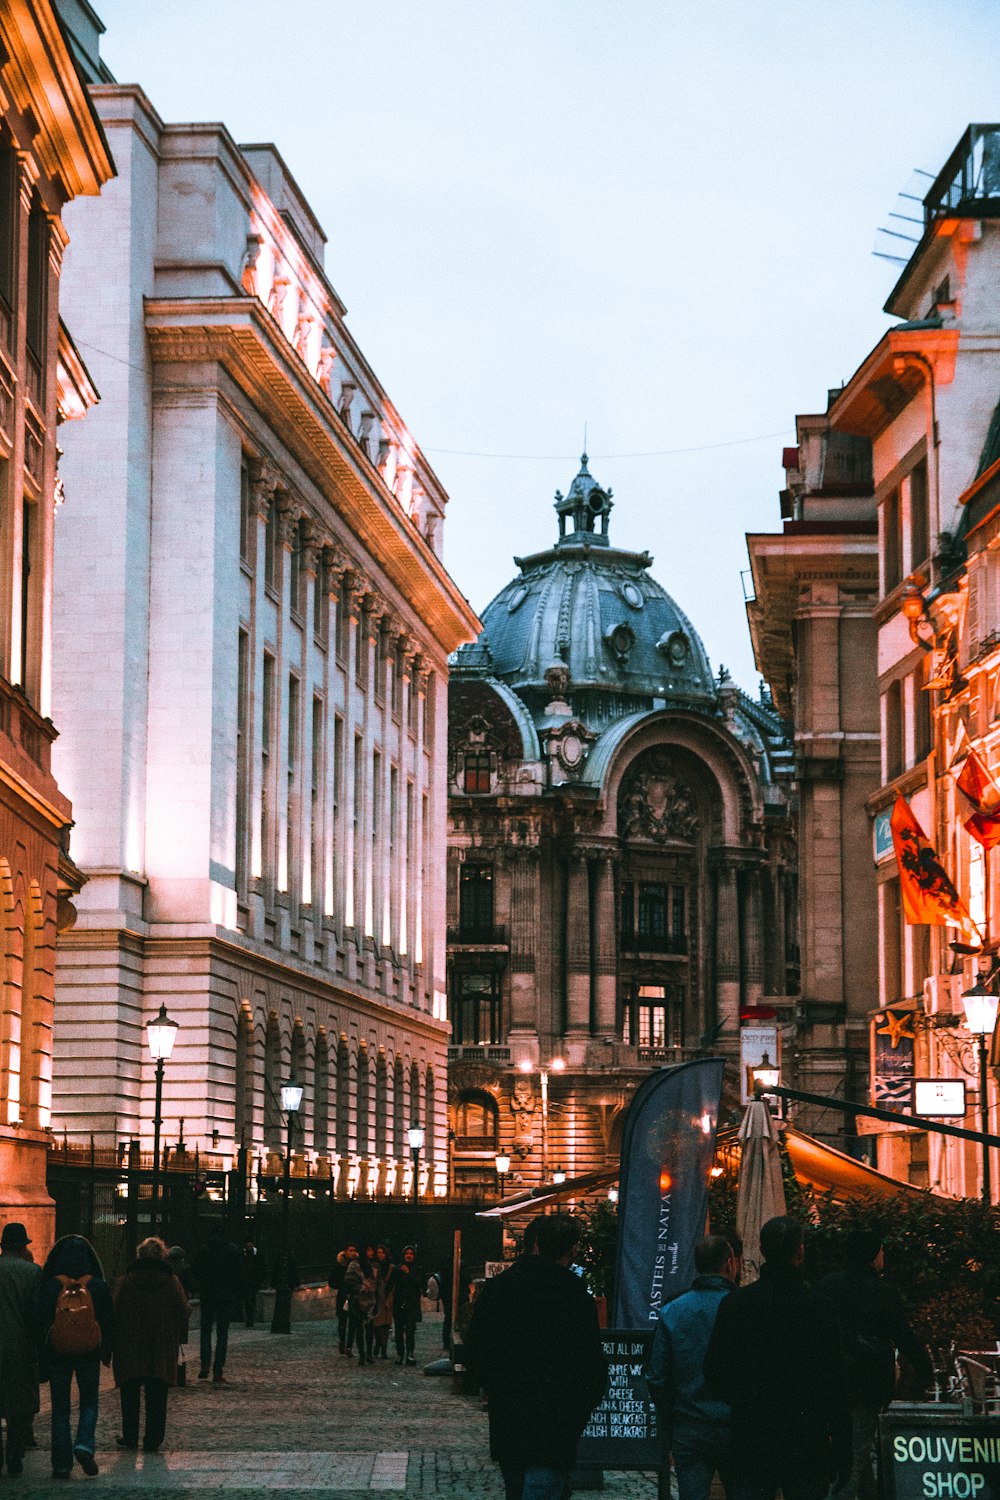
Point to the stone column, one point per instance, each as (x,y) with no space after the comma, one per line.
(263,481)
(578,945)
(605,948)
(524,900)
(753,939)
(727,950)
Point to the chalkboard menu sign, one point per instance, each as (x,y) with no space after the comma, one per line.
(622,1433)
(937,1453)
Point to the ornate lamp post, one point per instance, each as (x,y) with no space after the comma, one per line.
(502,1163)
(161,1033)
(555,1066)
(281,1322)
(415,1136)
(766,1075)
(981,1018)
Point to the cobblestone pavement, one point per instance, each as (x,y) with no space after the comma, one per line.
(297,1417)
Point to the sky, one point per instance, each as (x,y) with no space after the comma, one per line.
(651,217)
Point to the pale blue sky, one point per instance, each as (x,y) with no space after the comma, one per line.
(654,217)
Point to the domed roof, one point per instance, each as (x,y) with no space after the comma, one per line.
(592,609)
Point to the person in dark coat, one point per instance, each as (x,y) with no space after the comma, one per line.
(151,1319)
(218,1275)
(382,1315)
(19,1280)
(335,1281)
(775,1357)
(406,1286)
(694,1422)
(535,1345)
(74,1259)
(873,1327)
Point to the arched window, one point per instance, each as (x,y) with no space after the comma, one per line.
(476,1122)
(244,1080)
(343,1096)
(321,1093)
(381,1105)
(364,1109)
(272,1084)
(400,1145)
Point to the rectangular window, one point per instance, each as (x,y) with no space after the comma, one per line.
(36,308)
(892,944)
(659,1019)
(246,519)
(271,545)
(475,903)
(653,911)
(397,681)
(476,771)
(27,547)
(393,854)
(242,761)
(413,702)
(343,622)
(677,915)
(429,713)
(894,743)
(892,541)
(476,1010)
(266,749)
(922,732)
(359,783)
(920,545)
(318,770)
(320,598)
(361,650)
(9,197)
(378,659)
(338,802)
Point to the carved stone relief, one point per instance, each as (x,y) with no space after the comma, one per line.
(655,802)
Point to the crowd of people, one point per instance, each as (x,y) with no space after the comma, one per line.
(774,1386)
(375,1295)
(61,1321)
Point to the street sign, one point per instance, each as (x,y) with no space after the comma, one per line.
(939,1098)
(936,1453)
(621,1433)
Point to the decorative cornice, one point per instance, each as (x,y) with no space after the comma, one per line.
(239,334)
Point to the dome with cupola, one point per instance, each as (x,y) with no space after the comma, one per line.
(591,614)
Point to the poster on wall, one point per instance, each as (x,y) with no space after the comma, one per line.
(892,1057)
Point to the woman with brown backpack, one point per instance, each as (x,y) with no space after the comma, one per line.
(76,1321)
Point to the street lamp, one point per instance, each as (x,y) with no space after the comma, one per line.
(766,1076)
(161,1033)
(281,1321)
(555,1066)
(981,1018)
(415,1136)
(502,1163)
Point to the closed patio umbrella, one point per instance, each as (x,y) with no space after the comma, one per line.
(761,1194)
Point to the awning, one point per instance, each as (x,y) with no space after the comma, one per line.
(526,1204)
(831,1171)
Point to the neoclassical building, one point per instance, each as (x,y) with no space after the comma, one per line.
(254,624)
(621,857)
(52,150)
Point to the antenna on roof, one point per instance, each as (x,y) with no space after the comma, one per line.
(890,244)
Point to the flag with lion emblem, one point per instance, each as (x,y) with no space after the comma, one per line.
(929,897)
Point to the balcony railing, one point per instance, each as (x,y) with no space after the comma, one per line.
(493,1052)
(970,179)
(646,942)
(477,937)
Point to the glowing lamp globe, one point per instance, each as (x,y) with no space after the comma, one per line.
(291,1097)
(980,1009)
(161,1033)
(415,1136)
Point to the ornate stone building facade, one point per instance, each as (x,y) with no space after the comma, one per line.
(52,149)
(255,625)
(621,856)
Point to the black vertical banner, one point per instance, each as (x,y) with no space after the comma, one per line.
(668,1147)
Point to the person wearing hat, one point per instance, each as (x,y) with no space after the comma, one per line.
(873,1328)
(19,1279)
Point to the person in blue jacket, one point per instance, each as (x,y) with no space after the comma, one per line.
(694,1422)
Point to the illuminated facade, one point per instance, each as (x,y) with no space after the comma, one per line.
(925,399)
(621,861)
(813,630)
(51,150)
(255,624)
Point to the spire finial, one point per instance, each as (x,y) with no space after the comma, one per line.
(583,455)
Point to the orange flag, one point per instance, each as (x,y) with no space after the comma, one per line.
(928,894)
(980,802)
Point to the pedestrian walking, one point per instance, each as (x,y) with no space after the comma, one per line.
(335,1280)
(218,1276)
(151,1318)
(406,1285)
(76,1323)
(535,1344)
(694,1423)
(253,1280)
(382,1314)
(873,1328)
(774,1356)
(360,1288)
(19,1282)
